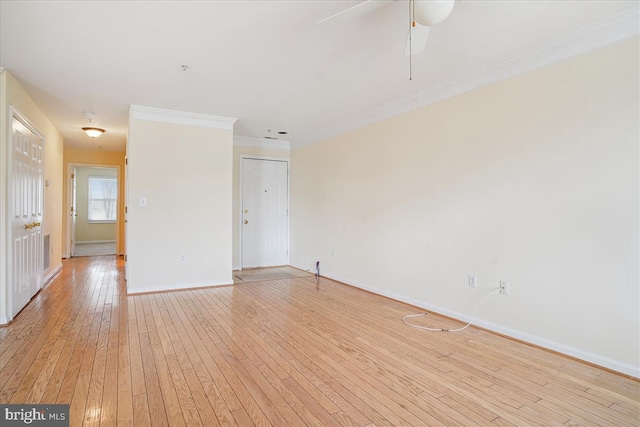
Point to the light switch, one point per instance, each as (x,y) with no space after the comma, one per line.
(143,202)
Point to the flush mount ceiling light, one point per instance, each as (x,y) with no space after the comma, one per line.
(92,132)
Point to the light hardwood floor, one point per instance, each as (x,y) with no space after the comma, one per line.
(282,352)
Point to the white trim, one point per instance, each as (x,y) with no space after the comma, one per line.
(177,287)
(69,167)
(240,204)
(611,30)
(52,274)
(139,112)
(586,356)
(90,242)
(4,207)
(4,202)
(247,141)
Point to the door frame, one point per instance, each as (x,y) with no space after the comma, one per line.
(6,253)
(68,168)
(241,203)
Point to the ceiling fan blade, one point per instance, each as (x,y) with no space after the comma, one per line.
(357,10)
(417,39)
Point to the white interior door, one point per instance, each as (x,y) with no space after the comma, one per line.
(26,208)
(265,213)
(73,212)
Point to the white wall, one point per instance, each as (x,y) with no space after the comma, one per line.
(183,166)
(533,180)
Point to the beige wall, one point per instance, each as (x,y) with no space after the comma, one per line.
(103,158)
(239,151)
(533,180)
(187,185)
(90,231)
(11,93)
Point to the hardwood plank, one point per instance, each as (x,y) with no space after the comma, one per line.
(135,356)
(242,418)
(109,404)
(201,401)
(170,401)
(223,415)
(153,394)
(125,394)
(141,414)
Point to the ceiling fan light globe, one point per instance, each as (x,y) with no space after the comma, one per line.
(432,12)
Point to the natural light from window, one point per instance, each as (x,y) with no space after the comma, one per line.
(103,198)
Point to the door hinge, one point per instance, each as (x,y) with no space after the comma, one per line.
(126,161)
(125,258)
(72,176)
(125,209)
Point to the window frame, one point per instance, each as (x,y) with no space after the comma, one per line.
(90,178)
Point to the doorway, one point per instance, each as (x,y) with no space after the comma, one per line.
(93,210)
(264,212)
(26,216)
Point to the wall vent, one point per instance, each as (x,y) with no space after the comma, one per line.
(47,251)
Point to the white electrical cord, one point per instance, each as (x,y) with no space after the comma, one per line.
(404,319)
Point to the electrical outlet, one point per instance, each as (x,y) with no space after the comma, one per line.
(504,287)
(183,259)
(473,281)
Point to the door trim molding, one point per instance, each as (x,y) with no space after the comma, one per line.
(241,207)
(67,237)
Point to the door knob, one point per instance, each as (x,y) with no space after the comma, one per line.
(36,224)
(246,211)
(28,226)
(246,222)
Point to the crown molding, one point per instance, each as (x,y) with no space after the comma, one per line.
(611,30)
(248,141)
(181,117)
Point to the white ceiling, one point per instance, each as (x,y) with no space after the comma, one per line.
(270,65)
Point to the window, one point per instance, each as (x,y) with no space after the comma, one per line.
(103,198)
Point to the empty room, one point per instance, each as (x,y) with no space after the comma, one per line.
(322,213)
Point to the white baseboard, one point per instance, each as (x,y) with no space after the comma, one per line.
(176,287)
(53,273)
(90,242)
(236,268)
(586,356)
(4,321)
